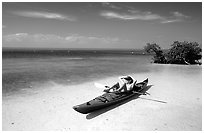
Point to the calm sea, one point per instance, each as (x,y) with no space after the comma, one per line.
(24,68)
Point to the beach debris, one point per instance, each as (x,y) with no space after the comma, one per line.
(12,123)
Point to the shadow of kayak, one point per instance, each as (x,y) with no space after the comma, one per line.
(101,111)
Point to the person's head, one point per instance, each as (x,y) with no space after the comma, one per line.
(128,79)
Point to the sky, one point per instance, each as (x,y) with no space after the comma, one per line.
(106,25)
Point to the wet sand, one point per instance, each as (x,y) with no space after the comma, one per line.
(174,104)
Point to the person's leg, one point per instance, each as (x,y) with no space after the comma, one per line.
(122,88)
(114,87)
(117,85)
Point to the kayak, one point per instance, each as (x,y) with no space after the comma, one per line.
(111,98)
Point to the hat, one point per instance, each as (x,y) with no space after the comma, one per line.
(128,78)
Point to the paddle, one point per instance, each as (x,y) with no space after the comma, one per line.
(140,93)
(101,86)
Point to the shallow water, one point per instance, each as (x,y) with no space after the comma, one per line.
(25,72)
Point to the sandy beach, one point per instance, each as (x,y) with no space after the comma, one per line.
(57,55)
(174,104)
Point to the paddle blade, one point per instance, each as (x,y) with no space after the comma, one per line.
(101,86)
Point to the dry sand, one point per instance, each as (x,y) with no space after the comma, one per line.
(175,104)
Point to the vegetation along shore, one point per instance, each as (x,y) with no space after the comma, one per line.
(179,53)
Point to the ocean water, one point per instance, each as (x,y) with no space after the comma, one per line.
(24,68)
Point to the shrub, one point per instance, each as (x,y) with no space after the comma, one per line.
(179,53)
(184,53)
(154,48)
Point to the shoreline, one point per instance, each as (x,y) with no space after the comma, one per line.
(68,82)
(52,110)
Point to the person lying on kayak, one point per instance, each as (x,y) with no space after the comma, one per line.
(127,84)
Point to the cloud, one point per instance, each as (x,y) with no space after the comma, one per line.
(18,37)
(89,39)
(179,15)
(133,14)
(55,39)
(110,5)
(50,38)
(171,21)
(176,17)
(133,11)
(46,15)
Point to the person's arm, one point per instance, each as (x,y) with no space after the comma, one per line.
(123,87)
(115,86)
(132,85)
(134,82)
(120,78)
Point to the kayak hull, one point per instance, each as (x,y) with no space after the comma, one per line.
(97,104)
(107,99)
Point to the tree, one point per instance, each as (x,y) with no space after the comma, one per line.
(184,53)
(179,53)
(156,49)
